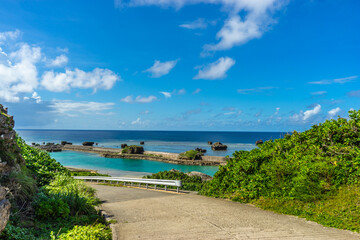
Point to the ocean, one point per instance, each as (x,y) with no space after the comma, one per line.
(163,141)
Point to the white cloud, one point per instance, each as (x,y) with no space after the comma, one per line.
(215,70)
(307,115)
(59,61)
(256,18)
(138,121)
(332,113)
(138,99)
(197,24)
(96,79)
(337,80)
(310,113)
(196,91)
(146,112)
(254,90)
(166,94)
(318,93)
(71,108)
(277,111)
(11,35)
(182,91)
(36,97)
(161,68)
(19,74)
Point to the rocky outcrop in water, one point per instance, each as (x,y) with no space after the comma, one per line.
(50,147)
(133,149)
(90,144)
(218,146)
(259,142)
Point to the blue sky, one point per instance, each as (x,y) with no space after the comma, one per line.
(233,65)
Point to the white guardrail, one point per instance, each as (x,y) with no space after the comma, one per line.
(146,181)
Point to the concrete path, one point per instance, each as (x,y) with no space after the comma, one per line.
(149,214)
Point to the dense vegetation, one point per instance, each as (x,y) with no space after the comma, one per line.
(314,174)
(191,155)
(192,183)
(54,205)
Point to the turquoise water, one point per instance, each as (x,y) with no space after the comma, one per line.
(123,167)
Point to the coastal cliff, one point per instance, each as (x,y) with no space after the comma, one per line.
(10,162)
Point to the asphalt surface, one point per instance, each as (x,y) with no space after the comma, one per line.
(150,214)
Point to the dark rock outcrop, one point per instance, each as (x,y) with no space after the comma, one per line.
(50,147)
(258,142)
(90,144)
(209,142)
(124,145)
(65,142)
(133,150)
(200,150)
(218,146)
(142,143)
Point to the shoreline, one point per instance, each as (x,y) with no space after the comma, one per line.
(166,157)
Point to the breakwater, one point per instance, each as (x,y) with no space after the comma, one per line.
(173,158)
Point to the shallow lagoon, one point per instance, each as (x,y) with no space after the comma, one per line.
(123,167)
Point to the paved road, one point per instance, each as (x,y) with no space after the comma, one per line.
(148,214)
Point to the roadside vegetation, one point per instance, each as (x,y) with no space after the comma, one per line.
(189,183)
(314,174)
(49,204)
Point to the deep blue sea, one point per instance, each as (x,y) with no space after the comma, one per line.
(164,141)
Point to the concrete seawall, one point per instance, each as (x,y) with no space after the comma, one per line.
(148,155)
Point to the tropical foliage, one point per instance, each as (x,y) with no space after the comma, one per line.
(192,183)
(301,172)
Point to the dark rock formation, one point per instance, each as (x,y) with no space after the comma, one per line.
(209,142)
(65,142)
(88,144)
(200,150)
(10,161)
(50,147)
(259,142)
(218,146)
(204,177)
(133,150)
(123,145)
(142,143)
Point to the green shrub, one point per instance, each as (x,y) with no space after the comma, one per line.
(95,232)
(191,155)
(11,232)
(193,183)
(40,163)
(302,168)
(51,207)
(80,197)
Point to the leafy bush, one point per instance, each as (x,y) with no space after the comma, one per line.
(302,168)
(40,163)
(191,155)
(79,197)
(192,183)
(95,232)
(51,207)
